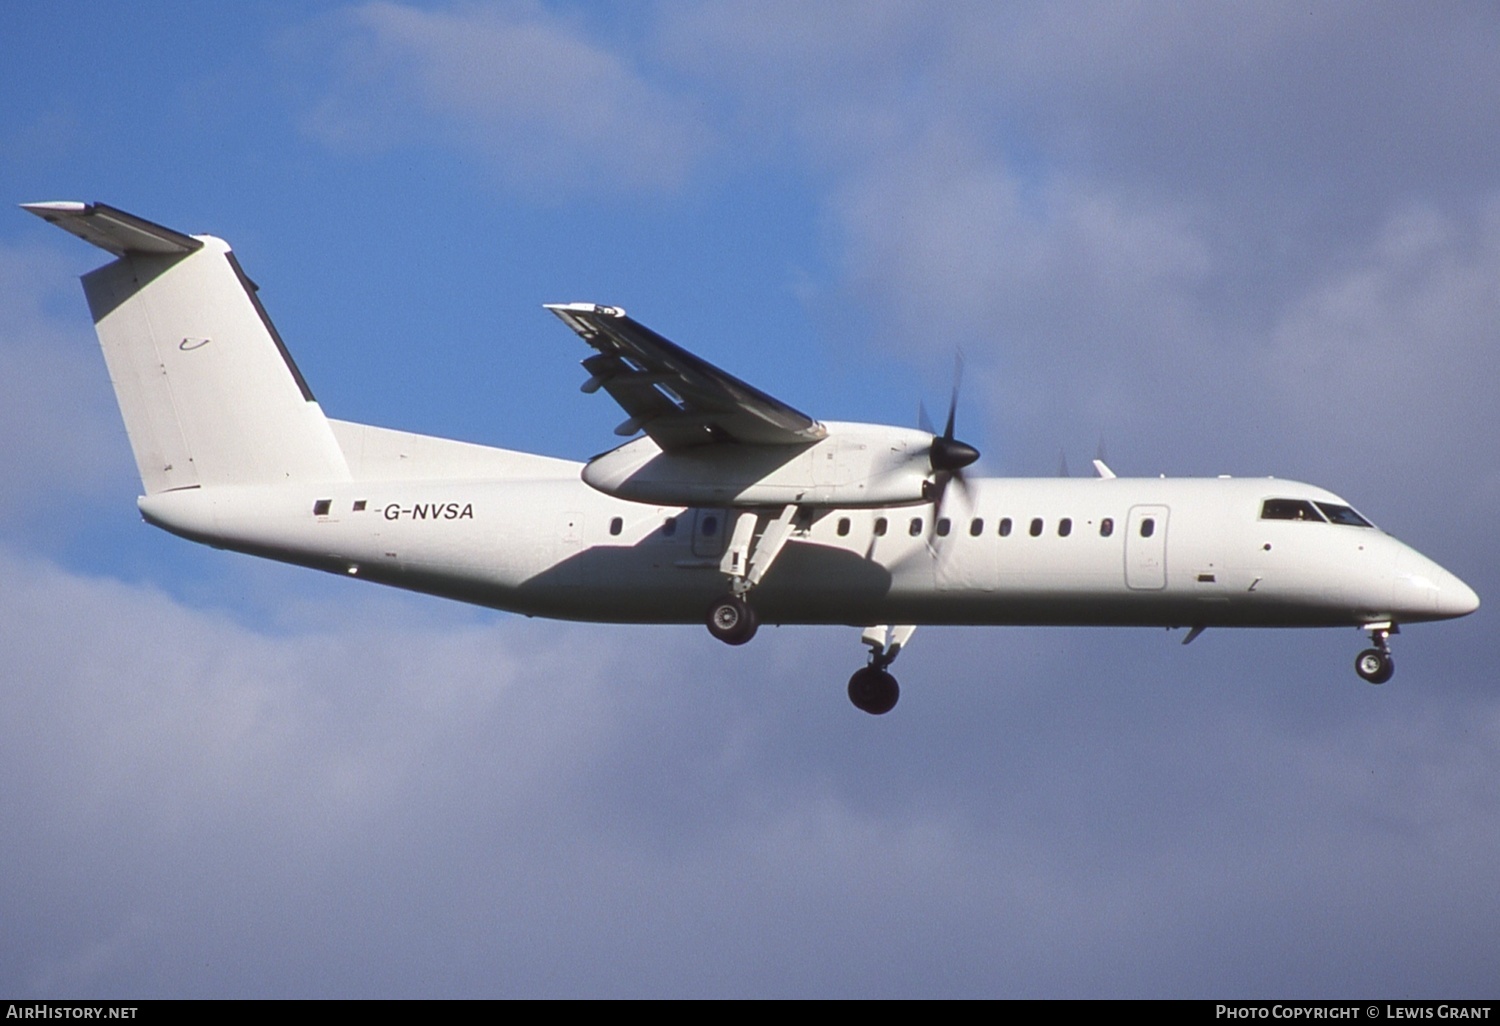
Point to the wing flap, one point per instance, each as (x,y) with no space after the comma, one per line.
(679,399)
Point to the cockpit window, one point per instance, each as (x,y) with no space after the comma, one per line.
(1290,509)
(1343,515)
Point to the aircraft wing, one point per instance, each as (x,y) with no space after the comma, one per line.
(677,398)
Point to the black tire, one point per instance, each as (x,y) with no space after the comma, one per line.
(873,691)
(1375,666)
(732,621)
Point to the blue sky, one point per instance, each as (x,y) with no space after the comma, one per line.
(1253,239)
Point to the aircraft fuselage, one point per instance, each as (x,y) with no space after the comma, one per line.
(1124,551)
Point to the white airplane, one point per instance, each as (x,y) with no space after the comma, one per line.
(732,507)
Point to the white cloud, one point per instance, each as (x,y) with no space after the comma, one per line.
(1133,220)
(195,807)
(1389,346)
(1392,354)
(61,436)
(530,91)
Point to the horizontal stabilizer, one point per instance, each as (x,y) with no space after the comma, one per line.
(113,230)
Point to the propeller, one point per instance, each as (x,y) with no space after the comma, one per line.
(948,456)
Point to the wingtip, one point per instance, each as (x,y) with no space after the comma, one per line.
(588,308)
(55,207)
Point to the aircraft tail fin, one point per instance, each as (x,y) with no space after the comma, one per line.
(208,391)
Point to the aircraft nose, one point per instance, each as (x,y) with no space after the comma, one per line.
(1423,590)
(1455,598)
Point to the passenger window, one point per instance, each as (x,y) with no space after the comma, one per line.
(321,507)
(710,526)
(1064,527)
(1005,527)
(880,527)
(616,525)
(976,527)
(843,526)
(669,527)
(944,525)
(916,526)
(1106,527)
(1148,527)
(1036,527)
(1289,509)
(360,505)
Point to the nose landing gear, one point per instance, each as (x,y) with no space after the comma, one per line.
(1375,664)
(872,689)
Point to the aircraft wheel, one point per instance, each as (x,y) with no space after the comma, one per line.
(873,691)
(1375,666)
(732,621)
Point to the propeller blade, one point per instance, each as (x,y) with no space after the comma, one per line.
(948,456)
(963,486)
(958,377)
(934,491)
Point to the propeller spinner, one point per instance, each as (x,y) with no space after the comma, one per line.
(950,455)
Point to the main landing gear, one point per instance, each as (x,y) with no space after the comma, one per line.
(732,619)
(1375,664)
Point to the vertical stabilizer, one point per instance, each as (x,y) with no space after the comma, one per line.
(208,392)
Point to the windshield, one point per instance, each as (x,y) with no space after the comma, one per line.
(1316,512)
(1289,509)
(1342,515)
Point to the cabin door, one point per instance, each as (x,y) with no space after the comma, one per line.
(1146,548)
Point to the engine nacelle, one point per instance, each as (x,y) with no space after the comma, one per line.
(856,465)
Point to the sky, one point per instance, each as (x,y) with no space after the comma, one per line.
(1256,238)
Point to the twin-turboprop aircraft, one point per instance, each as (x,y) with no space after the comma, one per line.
(731,507)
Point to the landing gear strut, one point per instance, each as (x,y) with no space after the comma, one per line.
(1375,664)
(872,689)
(731,619)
